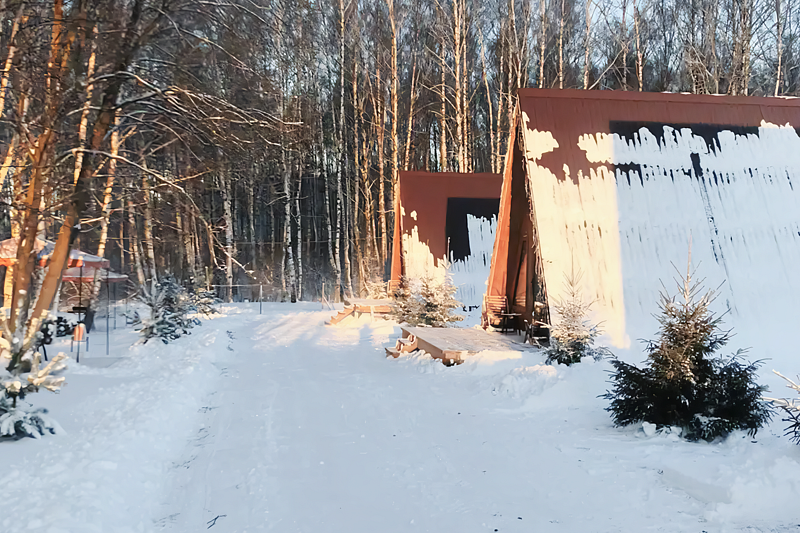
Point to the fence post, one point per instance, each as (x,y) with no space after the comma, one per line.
(260,297)
(108,310)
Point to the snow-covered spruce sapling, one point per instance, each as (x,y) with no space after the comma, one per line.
(684,383)
(791,408)
(573,336)
(170,306)
(374,290)
(204,302)
(426,302)
(16,382)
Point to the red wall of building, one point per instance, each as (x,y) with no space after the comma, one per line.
(427,194)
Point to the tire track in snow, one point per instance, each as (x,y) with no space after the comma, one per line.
(222,479)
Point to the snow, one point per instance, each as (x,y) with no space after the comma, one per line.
(276,422)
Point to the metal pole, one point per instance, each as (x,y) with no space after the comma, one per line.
(80,290)
(115,307)
(260,297)
(80,304)
(108,304)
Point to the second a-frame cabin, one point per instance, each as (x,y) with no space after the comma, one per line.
(615,185)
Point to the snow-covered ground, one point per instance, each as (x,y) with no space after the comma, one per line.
(275,422)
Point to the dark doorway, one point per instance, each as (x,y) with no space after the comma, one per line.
(456,231)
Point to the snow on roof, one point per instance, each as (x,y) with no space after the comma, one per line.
(620,183)
(44,249)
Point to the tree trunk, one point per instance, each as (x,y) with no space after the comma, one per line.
(299,240)
(105,216)
(779,32)
(326,200)
(251,216)
(80,196)
(587,45)
(747,35)
(85,114)
(189,247)
(340,157)
(148,235)
(561,47)
(380,119)
(288,256)
(395,138)
(623,31)
(457,88)
(542,41)
(10,58)
(492,146)
(30,225)
(230,250)
(411,100)
(357,117)
(180,249)
(443,166)
(133,233)
(639,53)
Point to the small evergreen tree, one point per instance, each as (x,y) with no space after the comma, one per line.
(573,337)
(791,409)
(684,384)
(426,302)
(375,290)
(17,421)
(170,305)
(204,301)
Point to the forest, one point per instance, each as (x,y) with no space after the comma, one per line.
(230,143)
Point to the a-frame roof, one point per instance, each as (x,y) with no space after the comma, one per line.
(616,185)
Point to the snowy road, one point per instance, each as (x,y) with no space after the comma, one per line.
(278,423)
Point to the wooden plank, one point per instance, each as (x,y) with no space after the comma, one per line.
(369,302)
(426,346)
(453,345)
(377,309)
(458,340)
(373,307)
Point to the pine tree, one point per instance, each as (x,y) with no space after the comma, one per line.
(573,337)
(427,302)
(17,421)
(170,306)
(684,384)
(791,409)
(203,302)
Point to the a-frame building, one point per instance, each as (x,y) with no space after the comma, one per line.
(445,226)
(614,185)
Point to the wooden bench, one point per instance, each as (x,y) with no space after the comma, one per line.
(497,307)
